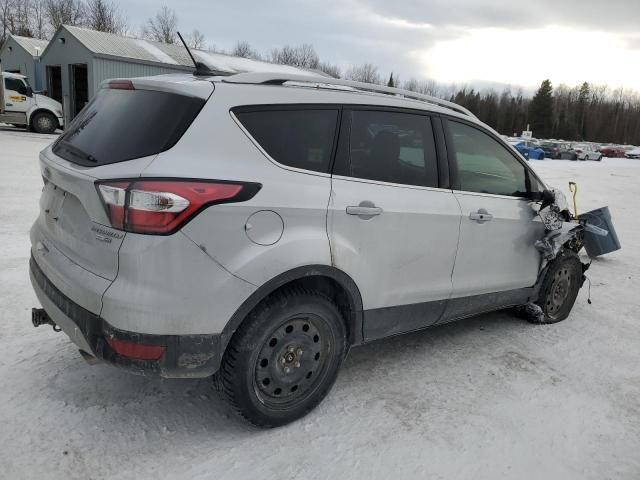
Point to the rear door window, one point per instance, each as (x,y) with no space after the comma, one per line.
(119,125)
(393,147)
(301,137)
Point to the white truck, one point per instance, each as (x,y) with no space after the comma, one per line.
(20,106)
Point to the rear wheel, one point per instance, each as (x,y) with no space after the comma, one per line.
(44,122)
(284,358)
(560,288)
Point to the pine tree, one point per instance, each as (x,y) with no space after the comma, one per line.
(583,98)
(541,111)
(390,83)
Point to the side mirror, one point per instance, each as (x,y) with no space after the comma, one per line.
(29,92)
(536,196)
(546,197)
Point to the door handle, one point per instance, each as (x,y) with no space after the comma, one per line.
(365,210)
(481,216)
(9,104)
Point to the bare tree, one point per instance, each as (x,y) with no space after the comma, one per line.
(243,49)
(64,12)
(411,85)
(38,19)
(162,27)
(307,56)
(330,69)
(367,73)
(197,40)
(103,16)
(303,56)
(285,56)
(5,9)
(19,18)
(426,87)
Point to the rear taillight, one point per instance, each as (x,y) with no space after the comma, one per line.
(163,206)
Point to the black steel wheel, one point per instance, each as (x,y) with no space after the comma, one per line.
(284,358)
(560,287)
(293,361)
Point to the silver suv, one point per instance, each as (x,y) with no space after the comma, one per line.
(254,227)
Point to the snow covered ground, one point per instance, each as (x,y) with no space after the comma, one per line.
(490,397)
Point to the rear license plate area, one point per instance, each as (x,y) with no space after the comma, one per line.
(52,200)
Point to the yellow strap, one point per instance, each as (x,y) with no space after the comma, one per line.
(573,188)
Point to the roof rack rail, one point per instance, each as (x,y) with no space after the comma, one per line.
(260,78)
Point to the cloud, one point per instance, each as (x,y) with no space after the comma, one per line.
(615,15)
(427,38)
(526,57)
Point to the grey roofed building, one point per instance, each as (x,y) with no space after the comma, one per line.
(78,60)
(22,55)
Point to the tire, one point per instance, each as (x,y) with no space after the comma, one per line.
(560,287)
(265,374)
(43,122)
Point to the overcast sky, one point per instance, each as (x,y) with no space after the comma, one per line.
(462,41)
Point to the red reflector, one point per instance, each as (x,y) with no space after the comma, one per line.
(121,85)
(137,351)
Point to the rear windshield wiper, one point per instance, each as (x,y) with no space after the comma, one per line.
(76,152)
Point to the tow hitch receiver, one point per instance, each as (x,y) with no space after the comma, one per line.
(40,317)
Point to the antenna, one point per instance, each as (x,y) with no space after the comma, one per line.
(201,68)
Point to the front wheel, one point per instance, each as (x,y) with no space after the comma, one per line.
(560,287)
(44,122)
(284,358)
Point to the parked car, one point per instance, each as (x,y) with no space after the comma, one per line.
(612,151)
(587,152)
(551,150)
(635,153)
(257,229)
(559,151)
(567,152)
(528,149)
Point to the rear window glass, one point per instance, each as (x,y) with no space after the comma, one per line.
(297,138)
(119,125)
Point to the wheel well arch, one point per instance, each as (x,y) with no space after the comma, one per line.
(331,281)
(37,111)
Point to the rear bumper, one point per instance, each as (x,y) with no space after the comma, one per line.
(185,356)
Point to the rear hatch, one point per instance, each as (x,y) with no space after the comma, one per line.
(115,136)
